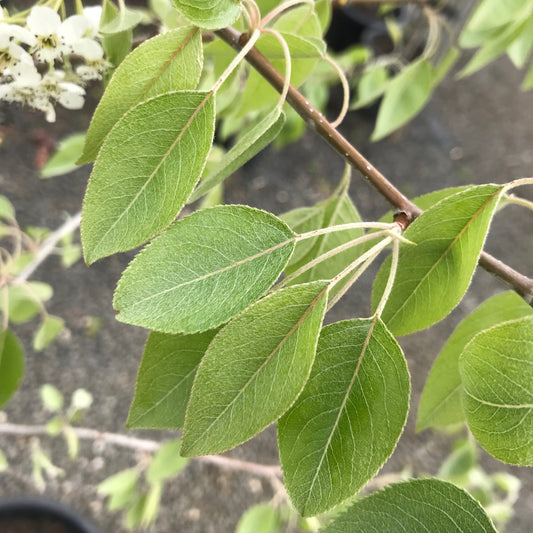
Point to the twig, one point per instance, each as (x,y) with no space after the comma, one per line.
(145,445)
(518,282)
(271,472)
(341,3)
(48,247)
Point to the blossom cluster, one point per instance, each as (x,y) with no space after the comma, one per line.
(28,58)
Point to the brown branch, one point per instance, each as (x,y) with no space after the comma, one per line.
(341,3)
(408,210)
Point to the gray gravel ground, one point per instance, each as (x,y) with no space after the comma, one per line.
(476,130)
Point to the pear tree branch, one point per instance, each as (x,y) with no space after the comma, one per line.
(407,211)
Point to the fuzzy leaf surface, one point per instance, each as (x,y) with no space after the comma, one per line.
(417,506)
(433,276)
(441,404)
(497,375)
(204,269)
(12,365)
(254,369)
(165,379)
(171,61)
(210,14)
(146,171)
(250,144)
(337,210)
(347,420)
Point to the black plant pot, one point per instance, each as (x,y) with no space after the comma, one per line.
(33,514)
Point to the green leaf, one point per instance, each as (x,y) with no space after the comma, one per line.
(302,220)
(64,160)
(347,420)
(371,86)
(12,365)
(520,48)
(7,211)
(166,463)
(496,373)
(262,518)
(50,328)
(120,488)
(204,269)
(440,404)
(449,238)
(126,19)
(210,14)
(51,398)
(55,426)
(417,506)
(425,201)
(117,45)
(488,19)
(25,300)
(165,379)
(339,209)
(146,171)
(254,369)
(73,442)
(151,505)
(527,84)
(250,144)
(457,466)
(305,45)
(405,96)
(446,63)
(494,48)
(3,462)
(168,62)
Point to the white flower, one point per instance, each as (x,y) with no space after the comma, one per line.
(53,87)
(45,24)
(55,38)
(24,81)
(10,52)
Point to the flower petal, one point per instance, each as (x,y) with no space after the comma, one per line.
(43,21)
(73,28)
(88,49)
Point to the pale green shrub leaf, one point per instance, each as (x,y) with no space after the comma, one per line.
(126,19)
(210,14)
(49,329)
(64,160)
(51,398)
(347,420)
(168,62)
(497,377)
(302,220)
(25,300)
(262,518)
(520,48)
(371,86)
(405,95)
(417,506)
(146,171)
(433,276)
(339,209)
(440,404)
(165,379)
(116,45)
(166,463)
(12,365)
(120,487)
(250,144)
(7,211)
(254,369)
(204,269)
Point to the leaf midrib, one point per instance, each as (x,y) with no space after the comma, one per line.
(267,360)
(444,254)
(214,273)
(341,411)
(158,166)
